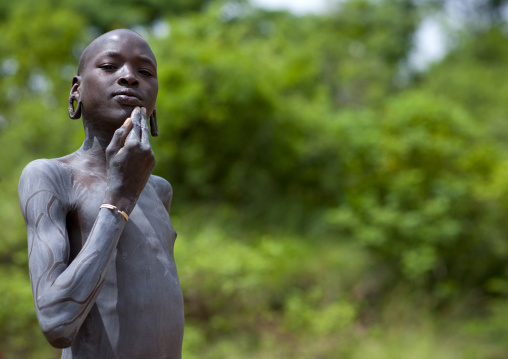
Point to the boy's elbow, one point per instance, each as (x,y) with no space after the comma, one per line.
(60,336)
(59,323)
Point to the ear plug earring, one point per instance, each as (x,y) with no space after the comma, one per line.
(154,130)
(74,113)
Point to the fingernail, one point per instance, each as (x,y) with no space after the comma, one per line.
(144,109)
(127,121)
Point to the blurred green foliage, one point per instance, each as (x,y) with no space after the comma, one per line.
(331,201)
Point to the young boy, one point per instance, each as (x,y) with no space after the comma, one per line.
(100,240)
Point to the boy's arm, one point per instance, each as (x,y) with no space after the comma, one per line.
(63,291)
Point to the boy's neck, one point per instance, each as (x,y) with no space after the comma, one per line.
(94,148)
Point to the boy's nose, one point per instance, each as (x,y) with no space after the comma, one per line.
(128,78)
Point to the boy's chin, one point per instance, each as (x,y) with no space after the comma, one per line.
(117,118)
(111,118)
(124,112)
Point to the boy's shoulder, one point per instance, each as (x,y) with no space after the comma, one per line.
(45,174)
(41,167)
(45,168)
(163,188)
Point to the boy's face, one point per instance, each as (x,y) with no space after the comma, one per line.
(119,74)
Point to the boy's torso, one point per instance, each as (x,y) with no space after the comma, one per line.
(139,312)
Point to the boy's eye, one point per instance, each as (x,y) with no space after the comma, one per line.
(145,72)
(108,67)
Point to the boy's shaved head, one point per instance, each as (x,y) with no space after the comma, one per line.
(95,44)
(117,72)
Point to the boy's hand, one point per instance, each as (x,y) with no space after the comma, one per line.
(130,161)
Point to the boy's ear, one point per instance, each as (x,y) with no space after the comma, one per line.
(76,81)
(75,112)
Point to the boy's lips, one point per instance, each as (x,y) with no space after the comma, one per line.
(127,97)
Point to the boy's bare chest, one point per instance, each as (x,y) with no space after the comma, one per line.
(148,232)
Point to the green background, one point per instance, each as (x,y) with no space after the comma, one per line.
(331,200)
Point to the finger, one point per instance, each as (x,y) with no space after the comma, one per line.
(135,133)
(145,137)
(136,118)
(120,135)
